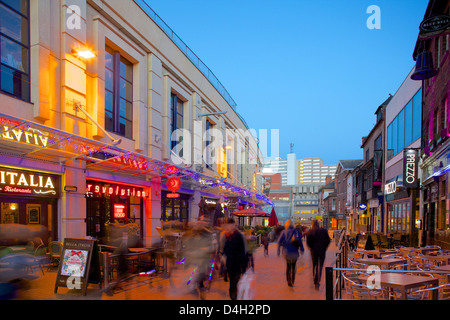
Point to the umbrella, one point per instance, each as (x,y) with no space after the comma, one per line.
(273,220)
(250,212)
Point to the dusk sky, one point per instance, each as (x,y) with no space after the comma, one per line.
(312,69)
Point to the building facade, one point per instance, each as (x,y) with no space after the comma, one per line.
(313,170)
(433,76)
(116,136)
(403,126)
(373,169)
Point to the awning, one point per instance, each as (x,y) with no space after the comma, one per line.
(30,140)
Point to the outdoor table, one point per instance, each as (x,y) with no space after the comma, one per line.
(376,253)
(386,263)
(16,249)
(138,250)
(421,250)
(404,282)
(441,259)
(444,268)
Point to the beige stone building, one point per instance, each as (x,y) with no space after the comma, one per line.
(100,127)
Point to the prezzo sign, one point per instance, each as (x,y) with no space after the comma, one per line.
(28,183)
(410,163)
(390,187)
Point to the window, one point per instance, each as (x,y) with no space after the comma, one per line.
(417,115)
(176,116)
(15,48)
(118,94)
(408,124)
(401,130)
(406,127)
(377,143)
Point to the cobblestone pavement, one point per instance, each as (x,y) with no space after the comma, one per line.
(268,283)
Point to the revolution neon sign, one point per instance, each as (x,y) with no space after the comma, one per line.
(104,189)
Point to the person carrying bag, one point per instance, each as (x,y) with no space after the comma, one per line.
(291,241)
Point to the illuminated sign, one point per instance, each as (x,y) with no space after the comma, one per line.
(94,188)
(410,171)
(362,206)
(390,188)
(120,211)
(28,183)
(173,184)
(32,136)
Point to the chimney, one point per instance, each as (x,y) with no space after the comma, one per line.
(327,179)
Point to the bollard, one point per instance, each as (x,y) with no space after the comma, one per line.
(329,283)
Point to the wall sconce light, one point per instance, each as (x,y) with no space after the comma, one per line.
(70,188)
(84,53)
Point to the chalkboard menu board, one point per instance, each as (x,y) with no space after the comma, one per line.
(365,242)
(78,265)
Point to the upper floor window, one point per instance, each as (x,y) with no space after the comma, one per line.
(176,116)
(118,94)
(405,128)
(15,48)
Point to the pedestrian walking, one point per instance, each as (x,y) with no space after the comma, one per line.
(317,240)
(265,243)
(291,241)
(235,254)
(251,246)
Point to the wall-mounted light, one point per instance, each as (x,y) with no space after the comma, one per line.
(84,53)
(70,188)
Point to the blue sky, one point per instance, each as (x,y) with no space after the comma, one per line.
(312,69)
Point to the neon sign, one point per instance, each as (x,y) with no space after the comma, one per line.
(106,189)
(35,137)
(23,182)
(120,211)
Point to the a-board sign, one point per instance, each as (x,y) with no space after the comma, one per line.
(78,264)
(365,242)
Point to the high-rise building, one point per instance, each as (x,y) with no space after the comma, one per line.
(313,171)
(277,165)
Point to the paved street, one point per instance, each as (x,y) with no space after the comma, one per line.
(268,284)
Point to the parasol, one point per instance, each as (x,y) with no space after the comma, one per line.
(273,220)
(250,212)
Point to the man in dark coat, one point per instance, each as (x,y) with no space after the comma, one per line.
(318,241)
(236,256)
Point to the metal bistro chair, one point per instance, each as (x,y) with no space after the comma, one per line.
(40,257)
(425,294)
(417,258)
(54,251)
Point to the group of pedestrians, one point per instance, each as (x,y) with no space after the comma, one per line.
(317,240)
(234,252)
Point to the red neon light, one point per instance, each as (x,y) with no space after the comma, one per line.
(120,211)
(173,195)
(170,170)
(173,184)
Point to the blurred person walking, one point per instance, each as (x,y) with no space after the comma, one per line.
(291,241)
(234,250)
(265,243)
(317,240)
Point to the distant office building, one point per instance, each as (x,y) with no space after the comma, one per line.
(291,164)
(313,171)
(277,165)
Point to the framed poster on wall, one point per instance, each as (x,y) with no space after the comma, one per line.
(33,213)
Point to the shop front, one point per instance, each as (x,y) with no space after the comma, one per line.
(30,198)
(111,207)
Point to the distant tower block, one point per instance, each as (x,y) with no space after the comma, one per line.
(292,148)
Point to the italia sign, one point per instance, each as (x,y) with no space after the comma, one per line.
(31,137)
(28,183)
